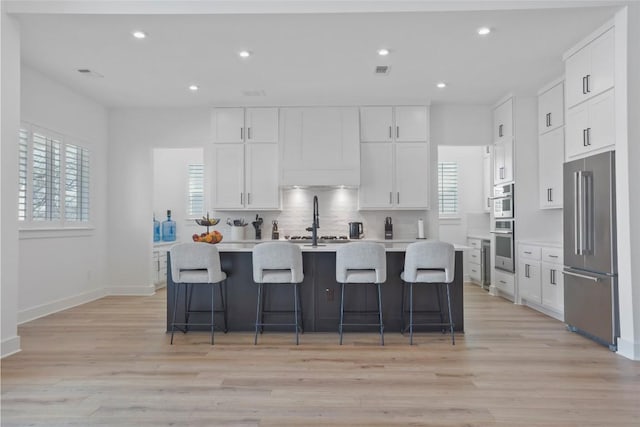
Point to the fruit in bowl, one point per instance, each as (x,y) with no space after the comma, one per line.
(212,237)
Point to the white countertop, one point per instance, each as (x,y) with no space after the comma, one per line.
(547,243)
(479,235)
(390,246)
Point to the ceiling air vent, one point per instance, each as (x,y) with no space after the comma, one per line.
(382,69)
(89,73)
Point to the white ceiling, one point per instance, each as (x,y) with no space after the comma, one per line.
(305,59)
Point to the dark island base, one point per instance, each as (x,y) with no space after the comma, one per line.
(320,297)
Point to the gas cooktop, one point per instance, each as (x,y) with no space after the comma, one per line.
(321,239)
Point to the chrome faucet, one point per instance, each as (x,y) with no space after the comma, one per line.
(315,224)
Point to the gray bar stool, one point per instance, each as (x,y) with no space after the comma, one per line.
(278,263)
(361,263)
(196,264)
(430,262)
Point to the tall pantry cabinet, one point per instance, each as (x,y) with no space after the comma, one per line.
(550,144)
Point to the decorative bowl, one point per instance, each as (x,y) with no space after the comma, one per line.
(207,222)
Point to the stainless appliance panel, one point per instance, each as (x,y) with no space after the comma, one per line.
(589,214)
(589,305)
(505,248)
(486,264)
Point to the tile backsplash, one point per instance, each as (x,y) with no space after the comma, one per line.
(337,207)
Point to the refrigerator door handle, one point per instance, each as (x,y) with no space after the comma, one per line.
(577,217)
(587,213)
(582,276)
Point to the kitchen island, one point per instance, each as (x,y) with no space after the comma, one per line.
(320,292)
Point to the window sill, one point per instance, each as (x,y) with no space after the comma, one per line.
(55,232)
(450,219)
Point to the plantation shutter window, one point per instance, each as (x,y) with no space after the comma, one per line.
(196,190)
(448,188)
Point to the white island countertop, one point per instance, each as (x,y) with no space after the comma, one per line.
(390,246)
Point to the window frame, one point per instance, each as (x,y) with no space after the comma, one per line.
(51,227)
(440,175)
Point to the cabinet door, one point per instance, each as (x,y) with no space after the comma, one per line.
(503,121)
(411,124)
(551,109)
(577,67)
(552,286)
(412,175)
(550,160)
(577,123)
(601,76)
(228,124)
(376,175)
(529,286)
(262,190)
(601,127)
(229,176)
(503,162)
(486,180)
(376,124)
(261,125)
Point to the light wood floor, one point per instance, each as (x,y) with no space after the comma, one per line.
(109,363)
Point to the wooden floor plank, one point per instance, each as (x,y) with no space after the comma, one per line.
(109,363)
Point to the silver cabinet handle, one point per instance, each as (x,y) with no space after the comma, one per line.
(397,131)
(241,198)
(248,198)
(390,135)
(488,202)
(588,136)
(248,133)
(241,133)
(553,256)
(500,135)
(552,278)
(527,252)
(588,78)
(582,276)
(584,85)
(390,197)
(584,137)
(398,197)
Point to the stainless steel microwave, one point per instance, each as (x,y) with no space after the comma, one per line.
(503,201)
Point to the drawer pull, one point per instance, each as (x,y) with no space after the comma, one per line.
(527,252)
(553,256)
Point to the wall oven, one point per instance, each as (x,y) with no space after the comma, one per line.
(505,248)
(503,201)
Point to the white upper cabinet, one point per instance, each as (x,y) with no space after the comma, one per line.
(503,162)
(376,124)
(591,126)
(550,160)
(412,175)
(320,146)
(394,158)
(487,188)
(412,124)
(551,109)
(245,125)
(246,177)
(590,70)
(503,121)
(408,124)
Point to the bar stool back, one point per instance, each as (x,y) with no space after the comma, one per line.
(430,262)
(278,263)
(196,264)
(361,263)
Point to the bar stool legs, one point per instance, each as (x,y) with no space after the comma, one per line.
(449,322)
(380,323)
(260,312)
(453,339)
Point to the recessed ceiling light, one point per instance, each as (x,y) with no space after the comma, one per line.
(244,54)
(193,88)
(383,52)
(483,31)
(139,34)
(441,85)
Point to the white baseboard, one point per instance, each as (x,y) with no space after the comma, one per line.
(10,346)
(145,291)
(629,349)
(33,313)
(558,315)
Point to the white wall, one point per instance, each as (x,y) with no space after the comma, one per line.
(170,187)
(133,133)
(454,125)
(470,190)
(9,125)
(71,266)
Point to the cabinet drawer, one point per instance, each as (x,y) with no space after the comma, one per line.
(475,273)
(475,243)
(553,255)
(475,256)
(504,281)
(529,252)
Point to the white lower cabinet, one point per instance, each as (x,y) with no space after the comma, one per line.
(159,266)
(474,260)
(540,282)
(504,282)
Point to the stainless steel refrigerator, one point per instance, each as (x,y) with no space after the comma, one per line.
(590,257)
